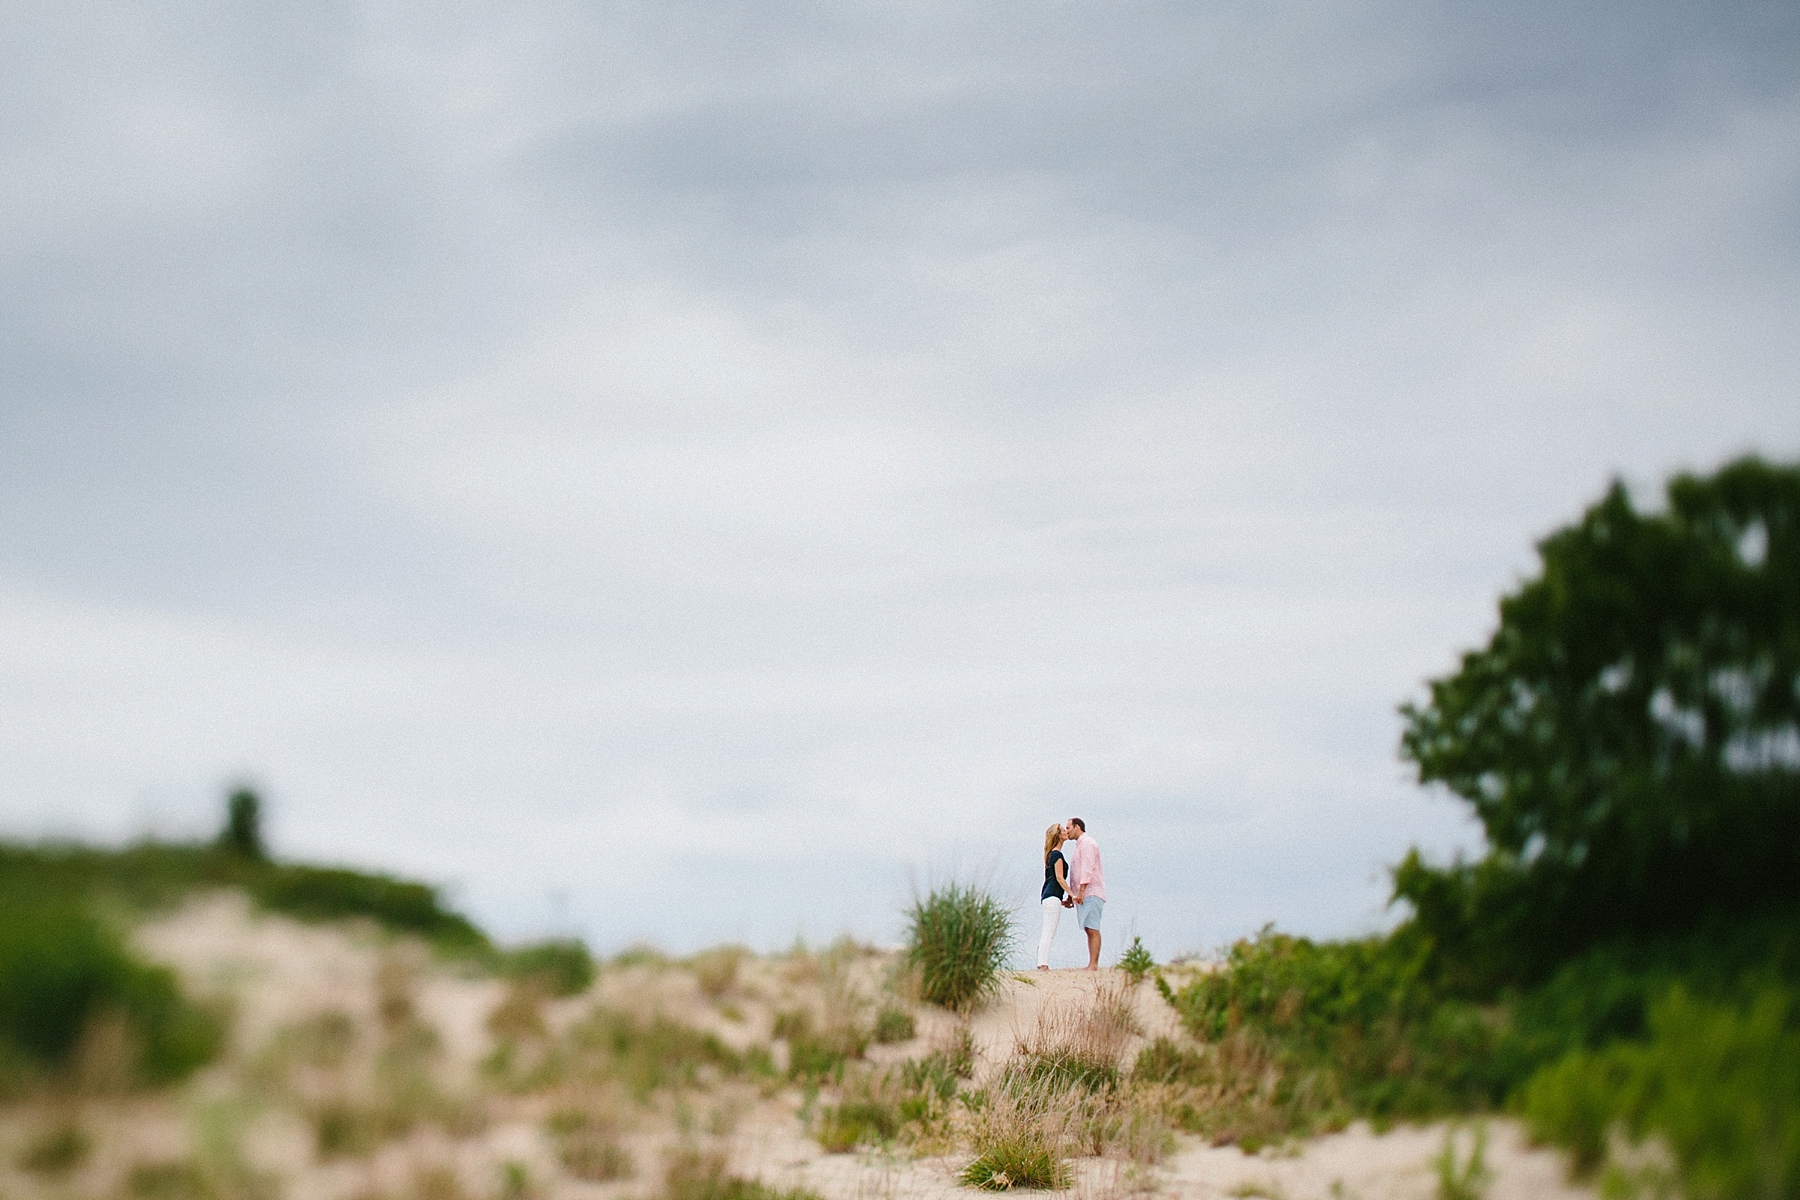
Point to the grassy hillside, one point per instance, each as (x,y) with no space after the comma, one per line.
(67,972)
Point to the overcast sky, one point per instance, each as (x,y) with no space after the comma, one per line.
(692,472)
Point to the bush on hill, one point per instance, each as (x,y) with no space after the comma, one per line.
(332,893)
(62,971)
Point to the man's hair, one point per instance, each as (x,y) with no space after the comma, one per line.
(1078,823)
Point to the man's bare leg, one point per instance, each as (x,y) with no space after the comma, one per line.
(1093,949)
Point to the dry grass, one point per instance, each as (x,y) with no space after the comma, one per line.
(520,1015)
(1062,1093)
(694,1175)
(1234,1090)
(1080,1043)
(587,1139)
(716,970)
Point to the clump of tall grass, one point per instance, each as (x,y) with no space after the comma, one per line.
(1021,1134)
(894,1025)
(1237,1090)
(909,1102)
(959,937)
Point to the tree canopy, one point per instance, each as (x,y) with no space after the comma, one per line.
(1630,735)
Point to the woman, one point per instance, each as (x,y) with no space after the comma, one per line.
(1055,896)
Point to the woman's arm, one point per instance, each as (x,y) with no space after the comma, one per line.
(1062,873)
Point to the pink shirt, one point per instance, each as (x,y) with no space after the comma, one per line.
(1086,871)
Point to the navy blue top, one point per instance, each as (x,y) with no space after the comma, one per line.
(1051,890)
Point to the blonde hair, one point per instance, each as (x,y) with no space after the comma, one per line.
(1053,837)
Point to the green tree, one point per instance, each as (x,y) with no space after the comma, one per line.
(1630,735)
(242,834)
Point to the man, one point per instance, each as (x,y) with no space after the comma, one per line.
(1089,884)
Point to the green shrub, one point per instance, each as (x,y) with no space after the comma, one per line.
(959,937)
(154,874)
(1575,1103)
(1136,961)
(1606,994)
(1167,1061)
(894,1025)
(1716,1083)
(61,968)
(1356,1022)
(562,966)
(333,893)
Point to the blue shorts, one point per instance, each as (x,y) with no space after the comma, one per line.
(1089,911)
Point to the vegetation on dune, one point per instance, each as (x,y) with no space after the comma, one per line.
(958,937)
(1136,962)
(1621,966)
(1719,1084)
(695,1175)
(155,874)
(1625,958)
(894,1024)
(73,996)
(560,966)
(76,1001)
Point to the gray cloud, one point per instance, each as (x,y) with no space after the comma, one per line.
(724,452)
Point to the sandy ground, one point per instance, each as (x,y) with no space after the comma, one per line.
(273,973)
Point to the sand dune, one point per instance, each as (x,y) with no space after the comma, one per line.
(281,978)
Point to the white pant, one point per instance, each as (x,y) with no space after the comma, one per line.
(1052,915)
